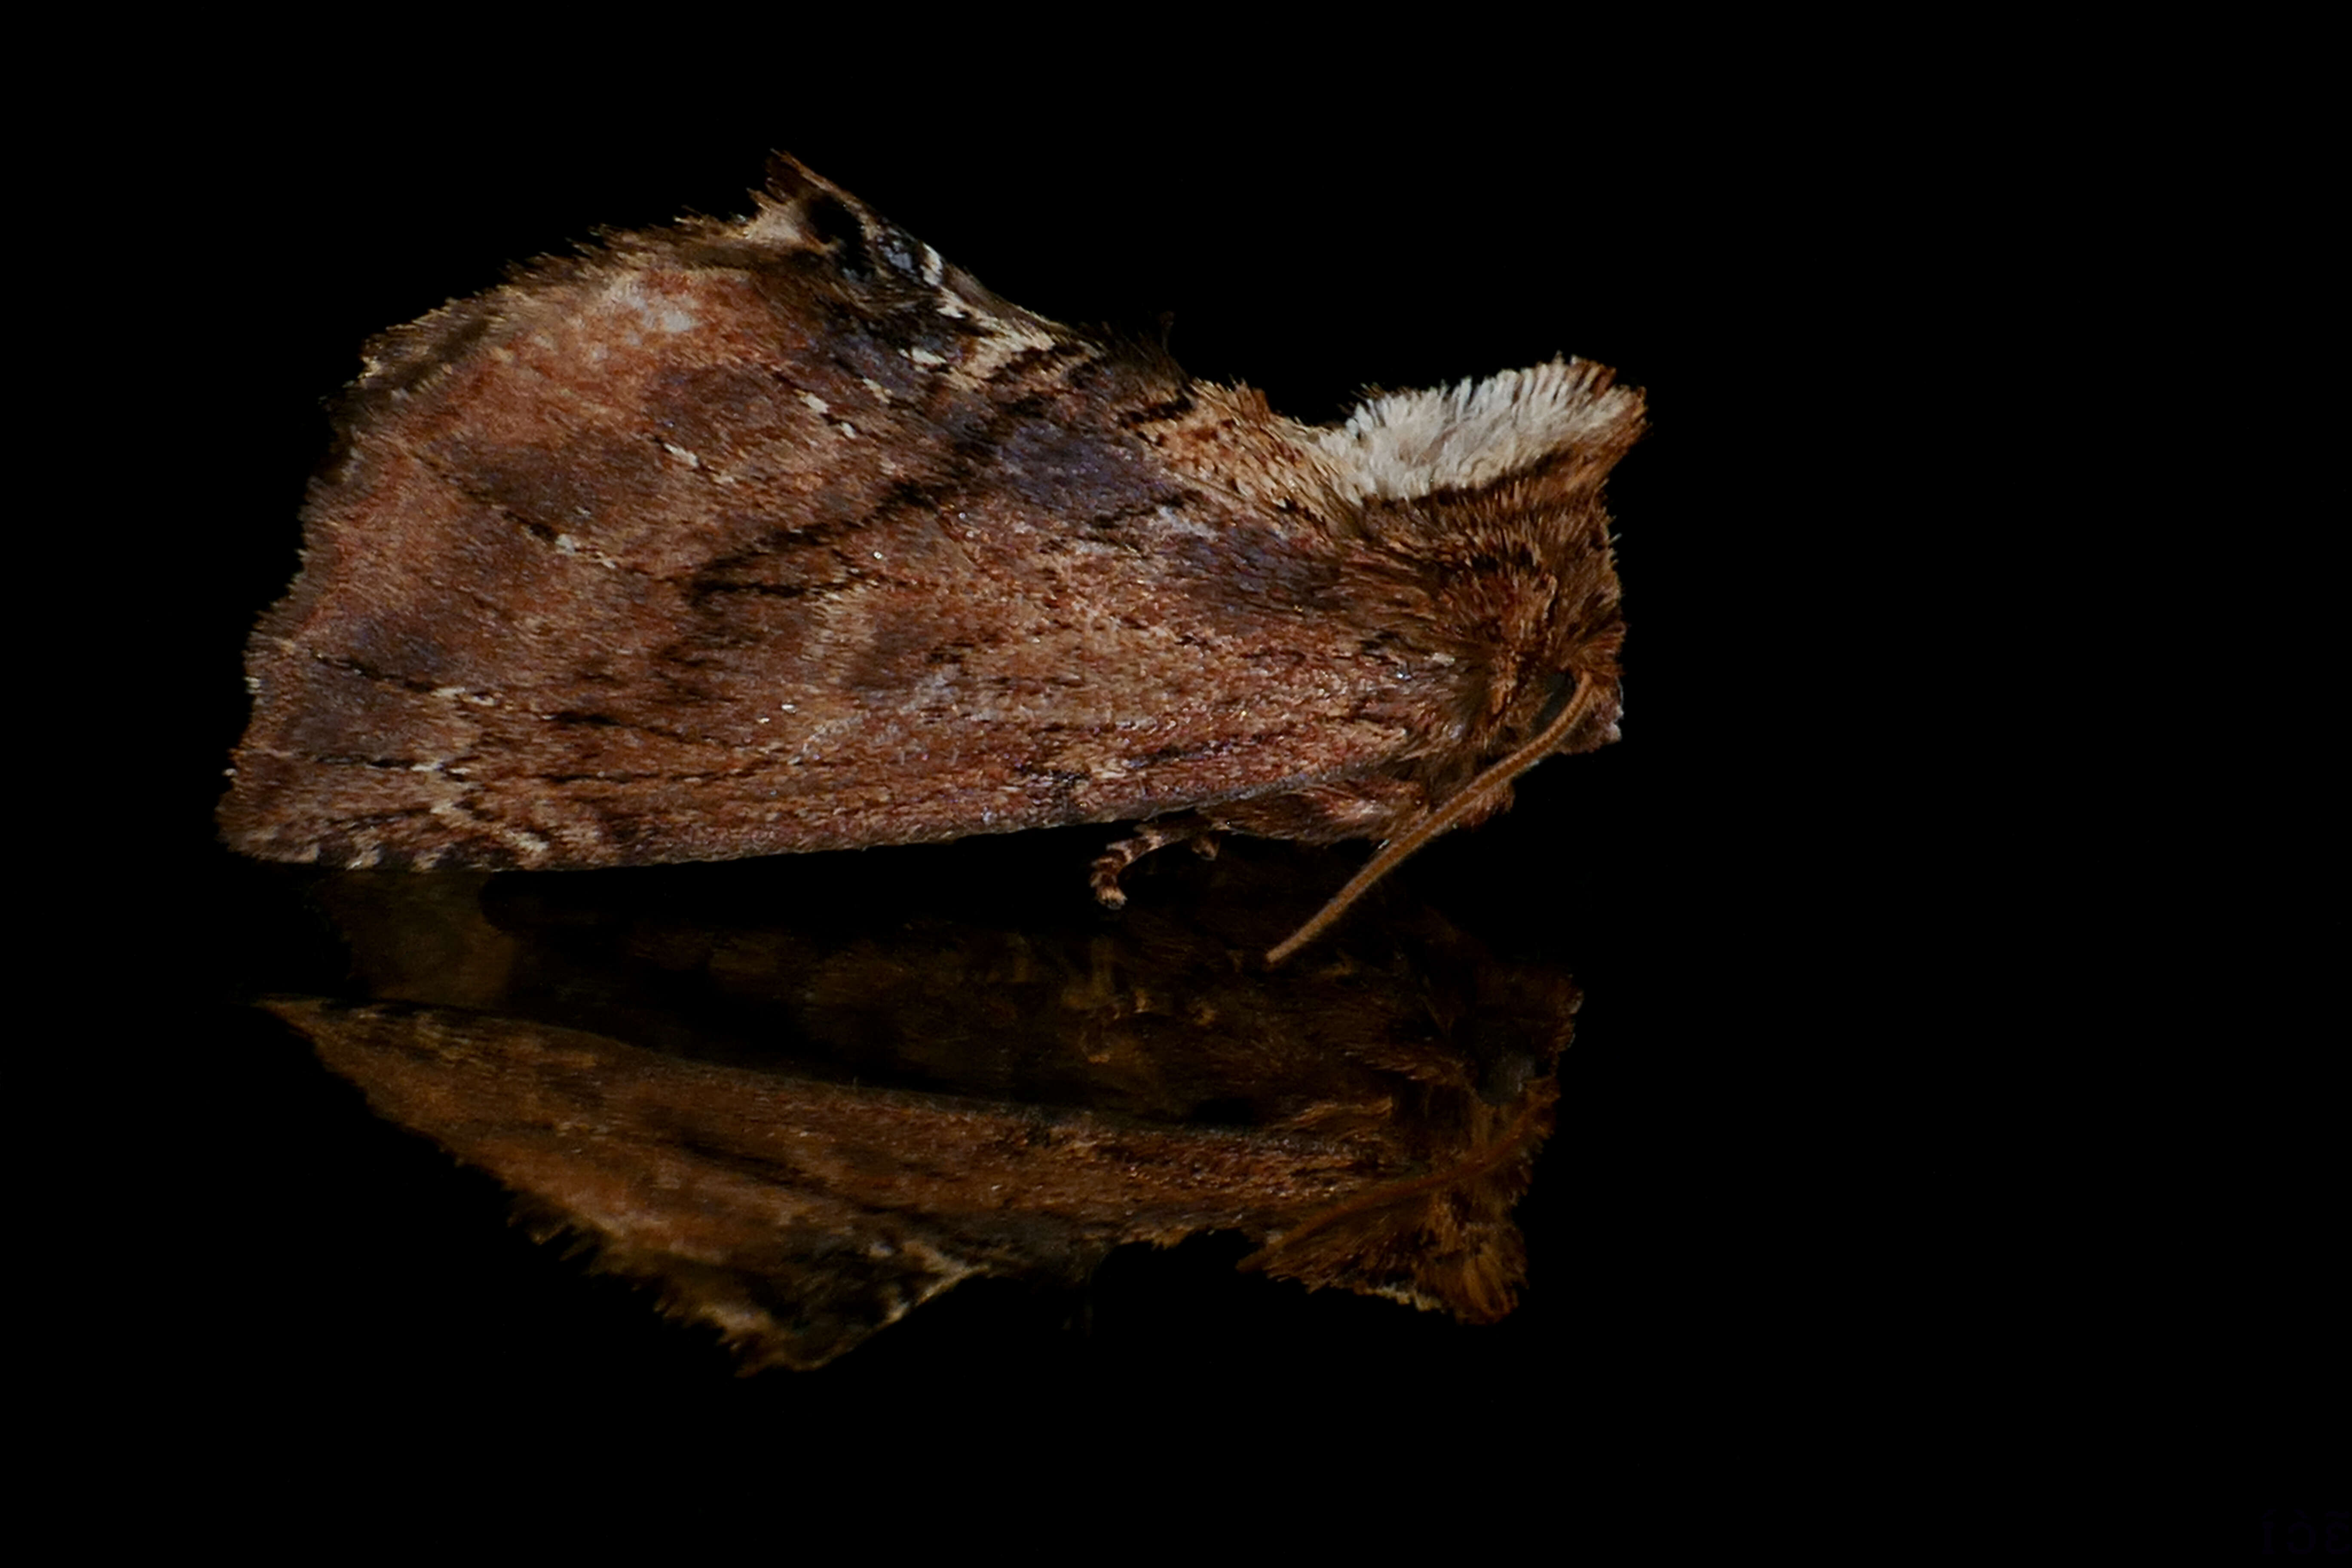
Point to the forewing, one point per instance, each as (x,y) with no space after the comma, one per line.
(784,535)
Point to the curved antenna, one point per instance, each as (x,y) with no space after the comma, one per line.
(1469,798)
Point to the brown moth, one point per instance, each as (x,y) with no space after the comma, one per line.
(740,539)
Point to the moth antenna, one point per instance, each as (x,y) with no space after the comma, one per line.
(1469,798)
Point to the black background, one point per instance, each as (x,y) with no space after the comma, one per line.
(1683,1212)
(1774,1197)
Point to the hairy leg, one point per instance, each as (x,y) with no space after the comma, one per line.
(1184,828)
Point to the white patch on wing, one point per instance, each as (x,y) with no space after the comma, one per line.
(627,292)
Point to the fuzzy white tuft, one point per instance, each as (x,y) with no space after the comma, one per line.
(1408,443)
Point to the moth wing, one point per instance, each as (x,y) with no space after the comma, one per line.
(784,535)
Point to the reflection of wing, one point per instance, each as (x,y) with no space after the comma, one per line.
(784,535)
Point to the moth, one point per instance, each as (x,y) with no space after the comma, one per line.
(746,538)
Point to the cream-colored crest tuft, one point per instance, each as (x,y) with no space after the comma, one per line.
(1405,445)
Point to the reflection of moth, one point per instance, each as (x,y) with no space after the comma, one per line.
(871,1108)
(736,539)
(797,1217)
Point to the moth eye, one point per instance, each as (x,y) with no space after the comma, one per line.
(1557,692)
(833,222)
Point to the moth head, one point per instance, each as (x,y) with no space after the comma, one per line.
(1498,484)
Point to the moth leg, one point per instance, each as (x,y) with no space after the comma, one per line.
(1158,834)
(1371,808)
